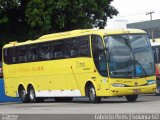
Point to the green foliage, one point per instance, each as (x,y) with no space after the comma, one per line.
(28,19)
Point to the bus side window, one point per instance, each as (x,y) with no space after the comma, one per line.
(33,52)
(10,55)
(44,52)
(57,49)
(83,46)
(21,54)
(7,59)
(73,51)
(70,48)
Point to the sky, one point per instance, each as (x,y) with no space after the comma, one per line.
(135,10)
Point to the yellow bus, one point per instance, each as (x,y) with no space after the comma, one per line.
(92,63)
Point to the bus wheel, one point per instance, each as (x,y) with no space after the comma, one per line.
(23,95)
(32,95)
(131,98)
(63,99)
(92,95)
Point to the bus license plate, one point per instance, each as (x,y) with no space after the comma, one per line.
(136,90)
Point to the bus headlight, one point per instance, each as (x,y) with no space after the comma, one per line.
(117,85)
(150,82)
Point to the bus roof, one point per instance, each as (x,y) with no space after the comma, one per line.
(155,42)
(74,33)
(92,31)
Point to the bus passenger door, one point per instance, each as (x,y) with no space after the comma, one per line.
(100,61)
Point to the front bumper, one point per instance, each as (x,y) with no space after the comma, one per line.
(121,91)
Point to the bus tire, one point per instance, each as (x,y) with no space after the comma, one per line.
(63,99)
(131,98)
(92,95)
(32,95)
(23,95)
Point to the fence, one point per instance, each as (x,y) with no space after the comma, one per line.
(3,97)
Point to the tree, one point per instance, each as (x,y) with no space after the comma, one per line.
(13,21)
(28,19)
(62,15)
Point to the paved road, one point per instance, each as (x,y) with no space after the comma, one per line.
(144,104)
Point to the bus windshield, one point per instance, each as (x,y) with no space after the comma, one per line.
(130,56)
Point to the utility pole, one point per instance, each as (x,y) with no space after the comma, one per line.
(150,13)
(152,32)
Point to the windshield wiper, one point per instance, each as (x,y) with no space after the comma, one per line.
(117,73)
(120,74)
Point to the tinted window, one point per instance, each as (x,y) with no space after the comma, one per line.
(45,51)
(71,48)
(83,46)
(22,54)
(99,55)
(10,55)
(33,52)
(58,49)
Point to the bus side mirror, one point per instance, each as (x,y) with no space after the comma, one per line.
(154,54)
(149,36)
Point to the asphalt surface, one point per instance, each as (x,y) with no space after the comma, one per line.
(147,107)
(112,105)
